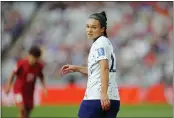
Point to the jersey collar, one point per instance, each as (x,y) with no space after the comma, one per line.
(96,38)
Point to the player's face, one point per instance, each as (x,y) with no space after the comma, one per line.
(32,60)
(93,29)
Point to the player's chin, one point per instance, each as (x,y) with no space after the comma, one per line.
(90,37)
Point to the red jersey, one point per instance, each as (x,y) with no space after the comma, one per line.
(26,75)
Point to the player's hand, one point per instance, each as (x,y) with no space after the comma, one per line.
(68,69)
(7,90)
(105,102)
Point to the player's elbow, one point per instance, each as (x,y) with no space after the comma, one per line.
(104,70)
(13,74)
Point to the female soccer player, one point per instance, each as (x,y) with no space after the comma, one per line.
(101,98)
(26,72)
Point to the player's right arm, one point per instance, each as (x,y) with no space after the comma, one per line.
(73,68)
(9,82)
(82,69)
(15,71)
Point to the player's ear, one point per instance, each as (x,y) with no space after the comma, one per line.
(102,29)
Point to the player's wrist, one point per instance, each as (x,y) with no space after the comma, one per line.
(104,92)
(9,86)
(76,68)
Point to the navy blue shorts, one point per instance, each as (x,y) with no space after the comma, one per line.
(93,109)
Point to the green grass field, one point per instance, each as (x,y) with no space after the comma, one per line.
(71,111)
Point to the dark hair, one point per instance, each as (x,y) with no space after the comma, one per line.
(104,14)
(102,18)
(35,51)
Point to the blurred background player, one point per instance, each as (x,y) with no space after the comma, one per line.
(27,70)
(102,98)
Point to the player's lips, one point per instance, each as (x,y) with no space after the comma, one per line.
(90,35)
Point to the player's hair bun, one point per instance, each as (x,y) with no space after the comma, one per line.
(104,14)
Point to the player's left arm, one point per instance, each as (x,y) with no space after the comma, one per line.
(102,57)
(104,74)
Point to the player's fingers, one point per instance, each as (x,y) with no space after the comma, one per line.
(63,70)
(68,69)
(102,104)
(107,104)
(6,90)
(64,67)
(103,107)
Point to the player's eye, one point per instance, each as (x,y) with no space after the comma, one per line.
(87,26)
(94,27)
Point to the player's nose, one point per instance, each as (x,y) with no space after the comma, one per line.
(89,30)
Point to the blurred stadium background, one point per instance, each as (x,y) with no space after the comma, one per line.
(141,33)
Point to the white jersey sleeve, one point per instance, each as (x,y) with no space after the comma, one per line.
(102,50)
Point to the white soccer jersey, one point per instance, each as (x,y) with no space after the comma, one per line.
(101,49)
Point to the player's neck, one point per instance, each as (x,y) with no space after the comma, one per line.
(31,64)
(96,38)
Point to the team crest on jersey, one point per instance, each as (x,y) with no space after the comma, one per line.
(101,52)
(30,77)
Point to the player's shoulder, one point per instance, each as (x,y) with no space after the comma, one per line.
(22,61)
(41,63)
(102,40)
